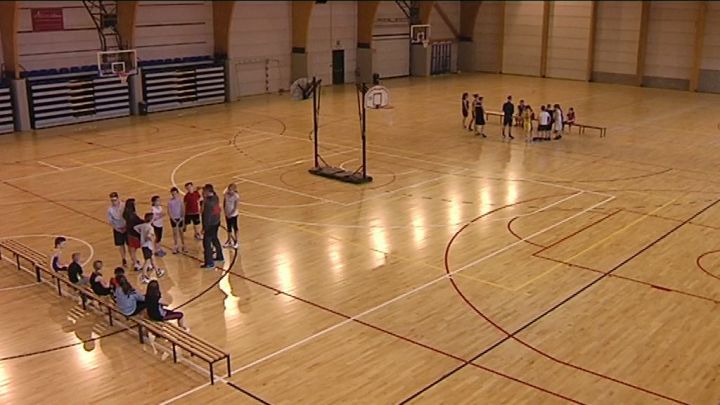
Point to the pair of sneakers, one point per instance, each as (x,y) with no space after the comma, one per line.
(231,244)
(158,272)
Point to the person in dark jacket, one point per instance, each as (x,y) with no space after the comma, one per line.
(211,213)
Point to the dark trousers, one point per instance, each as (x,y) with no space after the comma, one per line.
(210,241)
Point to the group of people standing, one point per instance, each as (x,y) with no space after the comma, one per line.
(551,119)
(201,210)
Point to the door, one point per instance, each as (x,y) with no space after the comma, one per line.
(338,66)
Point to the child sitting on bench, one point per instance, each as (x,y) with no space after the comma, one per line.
(56,260)
(156,308)
(570,118)
(129,301)
(99,286)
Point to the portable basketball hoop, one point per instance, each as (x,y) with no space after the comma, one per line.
(377,97)
(359,176)
(420,34)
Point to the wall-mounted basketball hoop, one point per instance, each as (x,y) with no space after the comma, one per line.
(420,34)
(121,63)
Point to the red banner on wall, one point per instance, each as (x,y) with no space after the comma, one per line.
(47,19)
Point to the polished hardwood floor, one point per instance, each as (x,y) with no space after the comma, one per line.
(471,270)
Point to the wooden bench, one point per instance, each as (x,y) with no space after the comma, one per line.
(582,127)
(178,337)
(19,251)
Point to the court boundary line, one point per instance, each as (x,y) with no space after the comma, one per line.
(401,296)
(512,336)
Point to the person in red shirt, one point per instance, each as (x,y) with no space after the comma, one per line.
(192,208)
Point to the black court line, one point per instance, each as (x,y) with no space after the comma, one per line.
(248,393)
(558,305)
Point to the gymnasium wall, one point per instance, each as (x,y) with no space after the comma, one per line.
(487,36)
(76,45)
(709,79)
(569,39)
(172,29)
(617,39)
(259,48)
(523,37)
(390,42)
(442,30)
(333,26)
(670,46)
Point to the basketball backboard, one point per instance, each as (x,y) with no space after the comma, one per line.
(114,63)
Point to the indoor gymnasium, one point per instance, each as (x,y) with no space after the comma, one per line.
(359,202)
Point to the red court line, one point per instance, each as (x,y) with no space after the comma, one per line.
(698,261)
(278,291)
(512,335)
(577,232)
(631,279)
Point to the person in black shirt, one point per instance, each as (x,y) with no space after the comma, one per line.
(508,111)
(75,274)
(75,271)
(97,283)
(479,116)
(466,111)
(156,309)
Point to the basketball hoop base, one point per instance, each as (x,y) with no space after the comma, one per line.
(339,174)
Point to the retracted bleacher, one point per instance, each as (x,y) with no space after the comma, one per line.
(182,82)
(6,110)
(68,96)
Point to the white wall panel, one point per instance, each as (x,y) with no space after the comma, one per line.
(711,42)
(439,30)
(332,27)
(75,46)
(391,41)
(568,39)
(260,44)
(487,36)
(173,29)
(617,36)
(523,37)
(671,38)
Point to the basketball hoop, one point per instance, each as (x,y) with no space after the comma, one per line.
(377,97)
(123,76)
(420,34)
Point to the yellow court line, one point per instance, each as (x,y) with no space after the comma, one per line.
(596,244)
(121,175)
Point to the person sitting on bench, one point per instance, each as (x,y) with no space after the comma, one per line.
(570,118)
(156,308)
(99,286)
(56,260)
(129,301)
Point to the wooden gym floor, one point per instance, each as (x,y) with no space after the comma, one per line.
(470,271)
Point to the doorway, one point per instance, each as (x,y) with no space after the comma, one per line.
(338,66)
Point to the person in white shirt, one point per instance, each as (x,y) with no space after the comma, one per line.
(544,127)
(232,199)
(176,211)
(559,120)
(147,243)
(116,220)
(157,224)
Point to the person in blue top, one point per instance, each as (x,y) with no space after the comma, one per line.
(508,112)
(128,301)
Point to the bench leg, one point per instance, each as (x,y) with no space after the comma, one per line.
(140,334)
(37,274)
(229,369)
(110,318)
(174,353)
(212,375)
(17,261)
(59,288)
